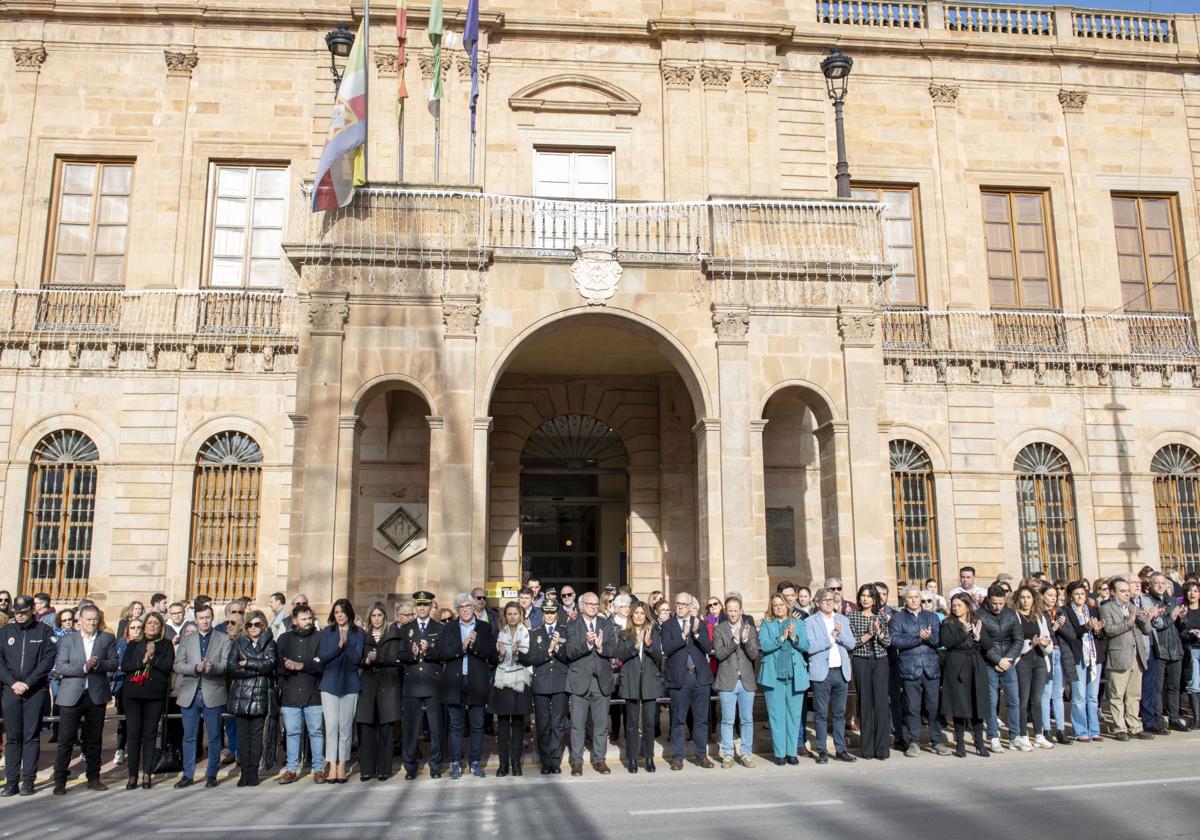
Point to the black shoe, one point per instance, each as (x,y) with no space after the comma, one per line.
(791,759)
(822,758)
(243,780)
(409,775)
(846,757)
(649,765)
(546,771)
(1180,726)
(1123,736)
(502,772)
(131,784)
(60,788)
(1144,736)
(27,789)
(211,782)
(631,765)
(185,782)
(146,785)
(981,750)
(518,770)
(435,774)
(960,749)
(10,790)
(1063,739)
(557,769)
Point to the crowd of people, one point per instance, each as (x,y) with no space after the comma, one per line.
(427,683)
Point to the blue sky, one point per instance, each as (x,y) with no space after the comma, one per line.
(1161,6)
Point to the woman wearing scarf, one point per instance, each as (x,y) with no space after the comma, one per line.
(1085,681)
(511,698)
(783,677)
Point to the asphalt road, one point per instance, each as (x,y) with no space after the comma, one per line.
(1108,791)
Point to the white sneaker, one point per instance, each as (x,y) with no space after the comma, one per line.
(997,747)
(1043,742)
(119,757)
(1022,744)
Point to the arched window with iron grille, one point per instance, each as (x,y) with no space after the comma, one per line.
(1046,515)
(223,562)
(1176,470)
(913,517)
(60,510)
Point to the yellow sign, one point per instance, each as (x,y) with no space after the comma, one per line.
(502,590)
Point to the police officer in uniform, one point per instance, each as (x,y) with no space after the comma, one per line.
(27,655)
(422,686)
(550,699)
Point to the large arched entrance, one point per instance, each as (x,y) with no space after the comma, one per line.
(593,459)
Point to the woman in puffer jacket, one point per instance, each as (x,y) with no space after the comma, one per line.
(252,660)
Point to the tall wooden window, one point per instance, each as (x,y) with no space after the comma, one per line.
(913,519)
(246,230)
(225,499)
(59,513)
(1020,258)
(1147,253)
(1046,512)
(901,214)
(89,230)
(1176,470)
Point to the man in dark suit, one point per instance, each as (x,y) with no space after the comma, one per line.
(550,697)
(686,646)
(422,686)
(591,641)
(85,658)
(467,651)
(26,659)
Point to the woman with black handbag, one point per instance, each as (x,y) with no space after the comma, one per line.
(251,666)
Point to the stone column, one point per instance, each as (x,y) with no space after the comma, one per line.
(862,362)
(481,542)
(709,543)
(741,571)
(958,254)
(462,562)
(433,519)
(350,429)
(756,599)
(837,513)
(683,141)
(317,474)
(761,129)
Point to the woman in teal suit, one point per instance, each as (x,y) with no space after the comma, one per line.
(783,676)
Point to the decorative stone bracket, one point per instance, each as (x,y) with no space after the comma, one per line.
(29,59)
(857,328)
(943,93)
(460,314)
(180,63)
(328,317)
(1072,101)
(732,324)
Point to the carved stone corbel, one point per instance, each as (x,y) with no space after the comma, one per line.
(151,355)
(715,76)
(677,75)
(732,324)
(229,355)
(73,351)
(856,328)
(268,357)
(29,59)
(180,63)
(328,317)
(1072,101)
(460,314)
(386,64)
(189,356)
(943,94)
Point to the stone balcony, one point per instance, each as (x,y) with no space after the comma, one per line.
(114,328)
(407,240)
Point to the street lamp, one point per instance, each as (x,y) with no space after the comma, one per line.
(836,69)
(339,42)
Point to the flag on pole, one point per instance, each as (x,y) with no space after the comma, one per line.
(343,165)
(471,45)
(435,38)
(401,59)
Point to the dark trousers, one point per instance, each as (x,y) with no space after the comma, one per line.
(121,733)
(141,718)
(874,706)
(470,719)
(250,744)
(551,714)
(510,736)
(925,693)
(1150,686)
(1031,679)
(1166,693)
(895,696)
(375,743)
(86,720)
(830,695)
(693,697)
(410,719)
(641,714)
(23,725)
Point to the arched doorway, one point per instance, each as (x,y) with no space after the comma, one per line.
(593,440)
(575,504)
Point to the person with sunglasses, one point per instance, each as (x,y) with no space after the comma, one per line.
(567,604)
(251,668)
(833,585)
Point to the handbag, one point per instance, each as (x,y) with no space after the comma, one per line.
(168,758)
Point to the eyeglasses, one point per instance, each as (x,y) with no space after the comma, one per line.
(256,624)
(714,604)
(480,597)
(237,612)
(834,588)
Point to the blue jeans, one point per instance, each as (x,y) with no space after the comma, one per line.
(1052,695)
(231,736)
(471,719)
(743,701)
(212,733)
(1085,701)
(312,718)
(1193,686)
(1012,701)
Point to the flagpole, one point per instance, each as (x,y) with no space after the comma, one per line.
(472,166)
(437,147)
(367,88)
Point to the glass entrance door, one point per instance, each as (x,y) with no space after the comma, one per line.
(561,543)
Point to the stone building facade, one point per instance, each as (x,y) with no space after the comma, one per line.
(646,346)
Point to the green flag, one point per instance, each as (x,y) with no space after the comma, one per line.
(435,38)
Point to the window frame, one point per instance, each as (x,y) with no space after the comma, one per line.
(50,251)
(1048,235)
(210,223)
(215,573)
(914,191)
(1181,275)
(573,150)
(1177,528)
(902,519)
(1035,483)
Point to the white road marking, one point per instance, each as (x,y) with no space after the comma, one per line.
(279,827)
(743,807)
(1131,783)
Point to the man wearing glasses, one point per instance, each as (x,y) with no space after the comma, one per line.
(26,658)
(830,641)
(235,612)
(686,647)
(591,643)
(85,659)
(834,586)
(569,608)
(482,611)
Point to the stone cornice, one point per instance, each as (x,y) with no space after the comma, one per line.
(666,29)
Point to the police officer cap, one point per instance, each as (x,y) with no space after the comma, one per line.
(23,603)
(550,606)
(423,597)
